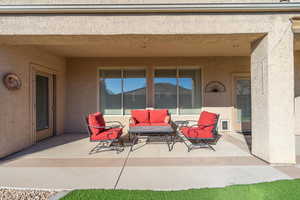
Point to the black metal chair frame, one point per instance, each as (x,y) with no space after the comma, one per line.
(105,145)
(196,143)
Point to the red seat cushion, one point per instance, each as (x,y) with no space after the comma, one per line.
(207,119)
(140,116)
(158,116)
(160,124)
(197,132)
(108,134)
(140,124)
(97,120)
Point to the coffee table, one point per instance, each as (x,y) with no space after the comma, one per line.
(164,132)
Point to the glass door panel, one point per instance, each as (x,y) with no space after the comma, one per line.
(243,103)
(43,105)
(42,102)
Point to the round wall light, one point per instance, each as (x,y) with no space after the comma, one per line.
(12,81)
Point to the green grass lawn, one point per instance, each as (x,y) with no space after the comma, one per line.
(278,190)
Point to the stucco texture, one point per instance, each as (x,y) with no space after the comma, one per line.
(12,2)
(82,75)
(15,116)
(297,92)
(270,109)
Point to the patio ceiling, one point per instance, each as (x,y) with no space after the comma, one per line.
(139,45)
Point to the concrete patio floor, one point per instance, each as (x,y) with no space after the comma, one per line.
(63,162)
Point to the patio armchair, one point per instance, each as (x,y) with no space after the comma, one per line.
(105,133)
(199,134)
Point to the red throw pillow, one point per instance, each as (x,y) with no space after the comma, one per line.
(207,119)
(158,116)
(96,120)
(141,116)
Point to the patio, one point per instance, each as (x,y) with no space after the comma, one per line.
(63,162)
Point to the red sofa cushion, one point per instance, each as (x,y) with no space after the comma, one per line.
(97,120)
(141,124)
(140,116)
(207,119)
(109,134)
(197,132)
(158,116)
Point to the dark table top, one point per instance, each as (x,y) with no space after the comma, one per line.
(151,129)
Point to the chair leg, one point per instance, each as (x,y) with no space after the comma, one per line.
(98,147)
(209,146)
(120,147)
(107,145)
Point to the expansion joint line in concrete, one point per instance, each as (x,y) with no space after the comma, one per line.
(121,172)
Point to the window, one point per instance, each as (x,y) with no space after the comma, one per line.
(165,87)
(189,84)
(178,90)
(134,90)
(122,90)
(175,89)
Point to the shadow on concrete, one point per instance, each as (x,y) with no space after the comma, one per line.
(248,140)
(46,144)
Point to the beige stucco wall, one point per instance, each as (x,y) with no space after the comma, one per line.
(273,114)
(130,1)
(278,52)
(83,89)
(143,24)
(15,115)
(297,92)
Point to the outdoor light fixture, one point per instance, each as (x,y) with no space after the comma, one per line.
(214,87)
(12,81)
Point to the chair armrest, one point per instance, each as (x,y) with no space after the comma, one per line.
(101,127)
(207,125)
(191,122)
(119,124)
(202,126)
(180,123)
(167,119)
(132,120)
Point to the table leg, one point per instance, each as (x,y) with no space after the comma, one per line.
(169,141)
(134,139)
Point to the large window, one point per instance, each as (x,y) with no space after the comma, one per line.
(175,89)
(178,90)
(122,90)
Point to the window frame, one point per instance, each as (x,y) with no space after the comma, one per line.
(150,90)
(177,68)
(122,69)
